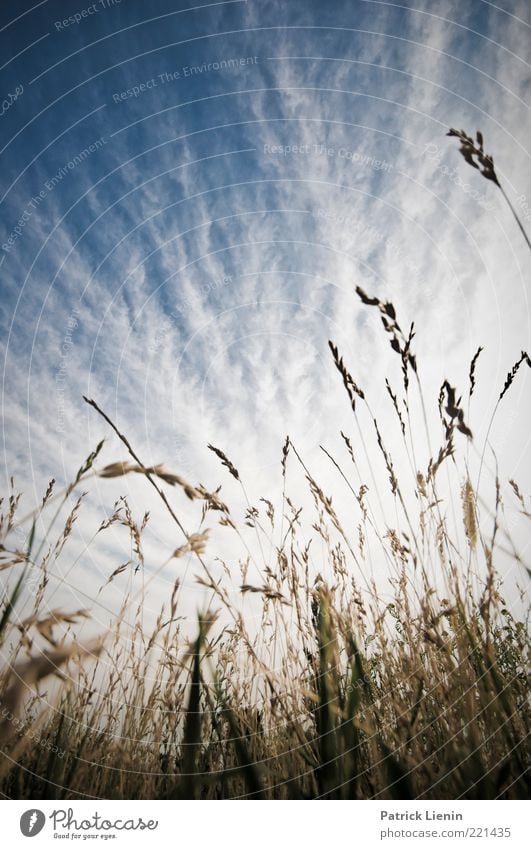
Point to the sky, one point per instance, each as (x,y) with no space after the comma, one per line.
(190,195)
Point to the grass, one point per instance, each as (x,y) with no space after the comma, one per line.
(331,688)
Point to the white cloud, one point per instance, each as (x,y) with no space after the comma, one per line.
(209,322)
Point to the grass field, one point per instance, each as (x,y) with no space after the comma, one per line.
(330,689)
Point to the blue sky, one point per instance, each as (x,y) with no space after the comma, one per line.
(190,196)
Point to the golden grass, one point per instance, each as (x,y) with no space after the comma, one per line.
(332,688)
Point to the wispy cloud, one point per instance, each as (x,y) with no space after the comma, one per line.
(211,247)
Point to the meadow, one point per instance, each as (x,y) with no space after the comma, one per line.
(331,689)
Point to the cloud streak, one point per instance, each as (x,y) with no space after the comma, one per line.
(210,246)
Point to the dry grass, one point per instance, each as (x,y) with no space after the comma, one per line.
(474,154)
(331,689)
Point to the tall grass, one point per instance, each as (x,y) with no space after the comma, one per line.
(331,688)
